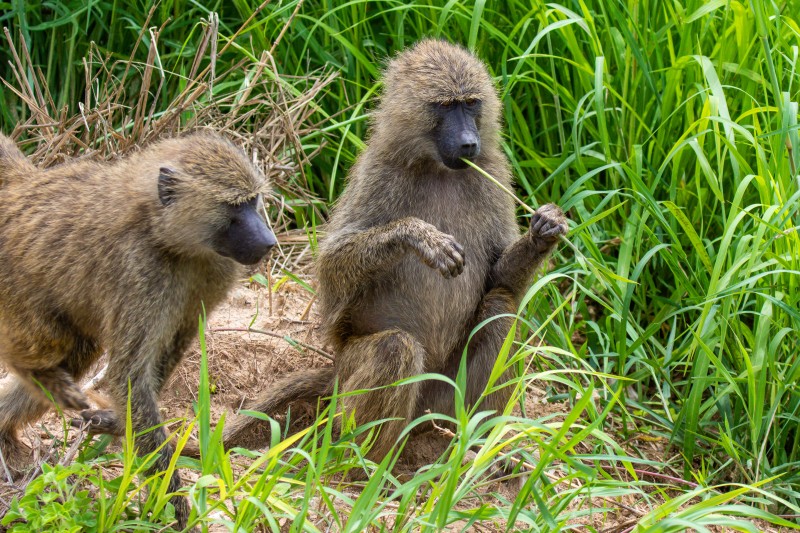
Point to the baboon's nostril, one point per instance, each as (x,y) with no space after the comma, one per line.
(470,145)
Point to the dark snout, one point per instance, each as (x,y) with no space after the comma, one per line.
(256,240)
(248,239)
(457,136)
(470,144)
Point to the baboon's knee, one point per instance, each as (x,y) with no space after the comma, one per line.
(401,354)
(498,305)
(378,360)
(485,346)
(381,358)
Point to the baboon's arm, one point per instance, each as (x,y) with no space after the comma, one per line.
(356,256)
(517,263)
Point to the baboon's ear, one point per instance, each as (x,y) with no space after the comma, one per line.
(167,185)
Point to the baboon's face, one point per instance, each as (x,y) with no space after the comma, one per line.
(245,236)
(439,104)
(456,134)
(212,203)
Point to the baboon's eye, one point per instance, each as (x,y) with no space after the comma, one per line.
(471,102)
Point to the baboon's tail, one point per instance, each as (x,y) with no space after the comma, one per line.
(12,161)
(307,385)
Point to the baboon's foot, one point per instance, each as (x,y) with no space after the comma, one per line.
(99,422)
(59,383)
(191,449)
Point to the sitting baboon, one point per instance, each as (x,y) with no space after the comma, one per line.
(419,250)
(121,257)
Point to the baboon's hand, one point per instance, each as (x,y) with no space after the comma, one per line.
(99,422)
(548,224)
(438,250)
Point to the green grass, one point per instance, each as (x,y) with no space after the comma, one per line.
(669,133)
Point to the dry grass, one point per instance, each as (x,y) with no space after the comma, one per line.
(267,114)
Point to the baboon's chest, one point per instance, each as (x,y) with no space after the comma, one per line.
(438,311)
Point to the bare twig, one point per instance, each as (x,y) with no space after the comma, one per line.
(96,379)
(287,338)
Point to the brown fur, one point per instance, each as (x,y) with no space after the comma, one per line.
(394,300)
(90,260)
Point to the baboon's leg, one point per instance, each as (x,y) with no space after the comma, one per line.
(173,355)
(20,402)
(373,361)
(136,364)
(482,353)
(18,405)
(52,362)
(130,364)
(110,422)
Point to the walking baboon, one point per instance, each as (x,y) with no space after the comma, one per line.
(397,295)
(119,257)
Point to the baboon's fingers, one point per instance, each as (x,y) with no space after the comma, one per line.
(537,220)
(456,264)
(551,211)
(458,255)
(449,267)
(455,258)
(61,386)
(455,269)
(443,253)
(548,222)
(554,230)
(99,421)
(459,249)
(70,396)
(429,257)
(547,228)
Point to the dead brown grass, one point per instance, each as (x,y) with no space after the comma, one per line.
(267,116)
